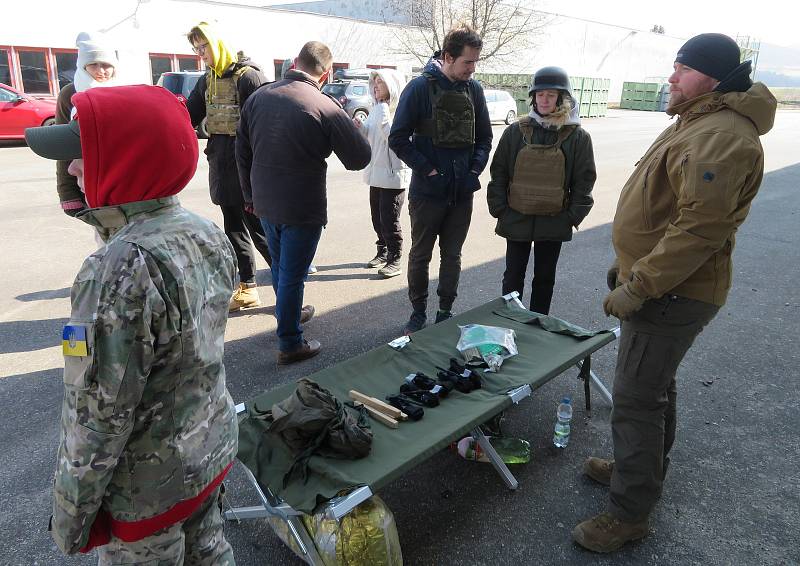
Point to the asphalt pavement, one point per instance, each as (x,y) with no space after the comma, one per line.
(733,492)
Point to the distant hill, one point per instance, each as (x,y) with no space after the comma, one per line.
(778,66)
(776,79)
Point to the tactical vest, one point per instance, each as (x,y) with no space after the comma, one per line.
(222,102)
(537,186)
(452,123)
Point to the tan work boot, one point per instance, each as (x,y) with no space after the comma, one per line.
(244,297)
(606,533)
(599,469)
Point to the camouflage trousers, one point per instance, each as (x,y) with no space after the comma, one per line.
(198,540)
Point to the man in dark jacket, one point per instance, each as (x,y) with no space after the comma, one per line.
(441,129)
(287,130)
(218,97)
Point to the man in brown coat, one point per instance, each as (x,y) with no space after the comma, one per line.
(673,234)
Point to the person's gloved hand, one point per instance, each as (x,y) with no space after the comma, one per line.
(612,275)
(622,302)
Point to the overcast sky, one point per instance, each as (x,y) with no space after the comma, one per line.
(771,21)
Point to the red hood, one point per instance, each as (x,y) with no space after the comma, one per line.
(137,144)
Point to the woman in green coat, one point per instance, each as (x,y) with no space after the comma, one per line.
(542,177)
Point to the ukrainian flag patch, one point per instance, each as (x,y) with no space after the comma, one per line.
(74,340)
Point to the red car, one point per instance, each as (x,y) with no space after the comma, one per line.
(19,111)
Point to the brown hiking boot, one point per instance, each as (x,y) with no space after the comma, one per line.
(599,469)
(244,297)
(606,533)
(308,349)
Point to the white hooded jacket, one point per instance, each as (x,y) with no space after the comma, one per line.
(385,169)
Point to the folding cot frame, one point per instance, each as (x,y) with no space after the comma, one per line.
(336,508)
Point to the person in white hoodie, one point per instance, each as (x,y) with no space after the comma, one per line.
(387,176)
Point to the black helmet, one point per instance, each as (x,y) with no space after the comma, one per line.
(550,78)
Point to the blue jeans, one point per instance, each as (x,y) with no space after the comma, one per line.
(292,248)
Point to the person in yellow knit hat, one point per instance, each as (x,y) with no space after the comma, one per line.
(218,98)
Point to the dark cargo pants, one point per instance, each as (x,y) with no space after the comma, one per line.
(431,220)
(652,344)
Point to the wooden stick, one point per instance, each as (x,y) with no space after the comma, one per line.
(401,417)
(380,417)
(376,404)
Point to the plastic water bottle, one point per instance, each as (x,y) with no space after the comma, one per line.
(563,417)
(510,450)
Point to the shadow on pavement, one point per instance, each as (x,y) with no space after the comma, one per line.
(30,335)
(44,295)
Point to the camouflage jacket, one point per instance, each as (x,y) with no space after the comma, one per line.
(146,419)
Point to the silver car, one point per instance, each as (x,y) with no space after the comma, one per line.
(502,106)
(353,95)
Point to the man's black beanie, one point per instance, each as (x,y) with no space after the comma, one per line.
(713,54)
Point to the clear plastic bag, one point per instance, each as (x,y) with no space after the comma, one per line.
(489,344)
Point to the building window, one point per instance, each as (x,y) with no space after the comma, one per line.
(66,61)
(188,63)
(33,69)
(159,64)
(5,67)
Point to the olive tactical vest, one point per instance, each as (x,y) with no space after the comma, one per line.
(222,102)
(537,186)
(452,124)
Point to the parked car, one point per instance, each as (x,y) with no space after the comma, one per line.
(181,84)
(19,111)
(354,97)
(351,74)
(502,106)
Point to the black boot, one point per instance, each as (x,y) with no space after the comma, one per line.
(392,267)
(379,259)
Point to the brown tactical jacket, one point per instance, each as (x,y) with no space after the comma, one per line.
(679,211)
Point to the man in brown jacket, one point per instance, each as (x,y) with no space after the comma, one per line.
(673,234)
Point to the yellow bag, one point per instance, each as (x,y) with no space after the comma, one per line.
(367,536)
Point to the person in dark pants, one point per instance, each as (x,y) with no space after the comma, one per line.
(386,175)
(286,132)
(673,235)
(542,177)
(441,130)
(218,97)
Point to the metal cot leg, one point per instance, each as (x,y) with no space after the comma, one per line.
(494,458)
(284,512)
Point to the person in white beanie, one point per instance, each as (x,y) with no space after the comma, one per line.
(97,66)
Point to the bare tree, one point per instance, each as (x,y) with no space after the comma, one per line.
(506,26)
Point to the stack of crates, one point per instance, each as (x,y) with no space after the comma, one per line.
(591,94)
(644,96)
(663,101)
